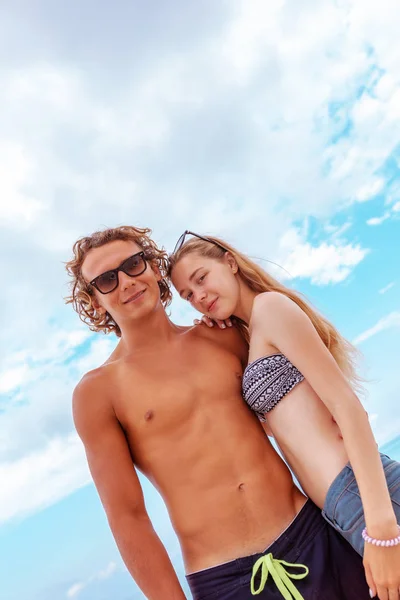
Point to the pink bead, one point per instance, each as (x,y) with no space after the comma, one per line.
(382,543)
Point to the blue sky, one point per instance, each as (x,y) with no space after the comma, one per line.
(275,127)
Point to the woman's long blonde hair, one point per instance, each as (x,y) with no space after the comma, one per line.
(258,280)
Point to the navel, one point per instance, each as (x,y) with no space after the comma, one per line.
(241,486)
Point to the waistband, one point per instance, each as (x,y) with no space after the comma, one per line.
(287,546)
(337,489)
(339,485)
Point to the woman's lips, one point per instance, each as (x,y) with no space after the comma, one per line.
(212,305)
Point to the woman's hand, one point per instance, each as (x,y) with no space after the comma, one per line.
(382,570)
(211,322)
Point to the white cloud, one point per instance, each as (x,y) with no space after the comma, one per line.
(38,446)
(22,367)
(106,573)
(390,321)
(336,232)
(378,220)
(45,85)
(368,191)
(387,287)
(20,209)
(43,477)
(323,264)
(394,207)
(249,36)
(12,378)
(223,137)
(74,590)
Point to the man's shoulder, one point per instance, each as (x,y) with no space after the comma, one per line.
(215,333)
(230,338)
(94,384)
(92,404)
(90,379)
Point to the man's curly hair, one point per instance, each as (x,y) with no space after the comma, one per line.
(82,293)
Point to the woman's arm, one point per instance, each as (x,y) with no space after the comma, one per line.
(286,326)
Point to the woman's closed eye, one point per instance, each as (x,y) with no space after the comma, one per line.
(189,295)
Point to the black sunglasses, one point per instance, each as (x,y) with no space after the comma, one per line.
(133,266)
(181,241)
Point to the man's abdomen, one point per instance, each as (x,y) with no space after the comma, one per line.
(232,496)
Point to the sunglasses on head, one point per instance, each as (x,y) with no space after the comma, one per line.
(108,282)
(181,241)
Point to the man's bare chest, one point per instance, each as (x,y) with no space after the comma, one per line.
(166,391)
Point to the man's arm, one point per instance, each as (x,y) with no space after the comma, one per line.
(120,491)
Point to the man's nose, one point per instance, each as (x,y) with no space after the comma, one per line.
(125,281)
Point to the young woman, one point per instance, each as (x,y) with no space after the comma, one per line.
(300,382)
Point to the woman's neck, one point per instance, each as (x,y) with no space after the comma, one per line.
(244,307)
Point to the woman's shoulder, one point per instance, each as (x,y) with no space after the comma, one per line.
(272,300)
(270,308)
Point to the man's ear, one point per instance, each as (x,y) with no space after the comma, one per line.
(157,271)
(231,260)
(97,306)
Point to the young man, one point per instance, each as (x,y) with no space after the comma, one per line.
(168,402)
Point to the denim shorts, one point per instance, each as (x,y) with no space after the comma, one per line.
(343,508)
(335,570)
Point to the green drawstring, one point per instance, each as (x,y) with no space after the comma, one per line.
(269,564)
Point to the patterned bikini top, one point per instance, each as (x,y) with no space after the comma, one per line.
(267,380)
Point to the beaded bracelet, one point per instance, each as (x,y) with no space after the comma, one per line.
(394,542)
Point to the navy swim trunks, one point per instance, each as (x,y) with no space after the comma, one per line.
(310,560)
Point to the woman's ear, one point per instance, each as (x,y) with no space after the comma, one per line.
(232,262)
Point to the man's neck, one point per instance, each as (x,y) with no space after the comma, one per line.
(149,334)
